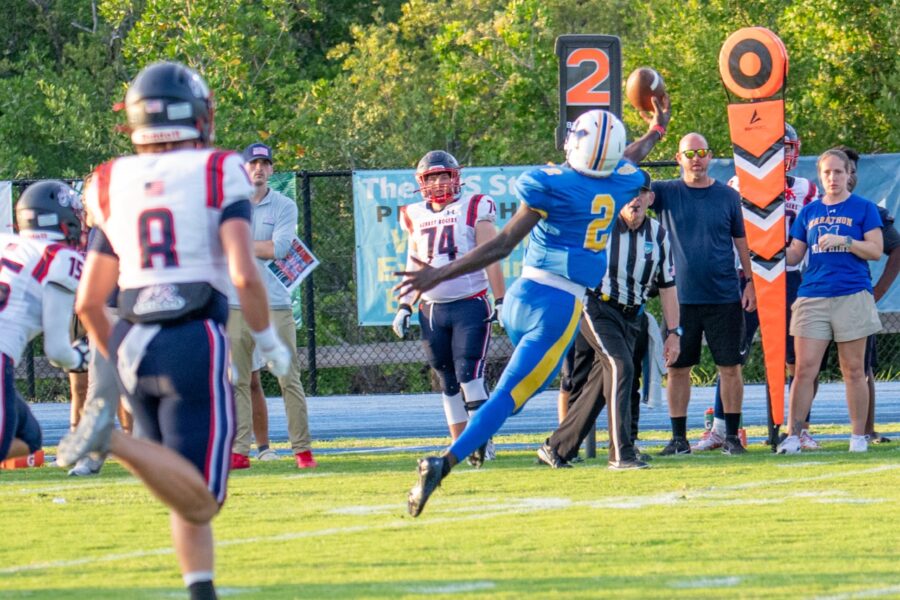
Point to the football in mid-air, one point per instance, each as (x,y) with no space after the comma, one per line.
(642,85)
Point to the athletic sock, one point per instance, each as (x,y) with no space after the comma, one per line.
(261,448)
(732,423)
(445,467)
(679,427)
(719,425)
(486,421)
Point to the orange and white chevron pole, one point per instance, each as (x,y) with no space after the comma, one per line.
(753,64)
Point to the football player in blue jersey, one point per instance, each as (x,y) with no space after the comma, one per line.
(568,210)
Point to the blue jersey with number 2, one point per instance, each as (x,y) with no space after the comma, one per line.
(578,213)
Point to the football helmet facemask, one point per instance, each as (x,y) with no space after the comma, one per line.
(168,102)
(50,210)
(791,148)
(595,143)
(434,162)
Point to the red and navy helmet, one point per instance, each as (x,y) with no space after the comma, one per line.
(168,102)
(791,148)
(50,210)
(434,162)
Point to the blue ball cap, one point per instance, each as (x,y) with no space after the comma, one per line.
(257,151)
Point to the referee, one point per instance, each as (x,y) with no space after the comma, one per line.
(639,258)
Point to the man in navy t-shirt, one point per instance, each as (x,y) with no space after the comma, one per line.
(704,220)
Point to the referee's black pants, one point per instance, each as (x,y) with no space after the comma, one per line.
(610,335)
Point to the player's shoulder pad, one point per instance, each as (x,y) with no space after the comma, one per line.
(61,266)
(228,181)
(481,208)
(539,177)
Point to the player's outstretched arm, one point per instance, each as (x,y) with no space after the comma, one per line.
(658,122)
(426,277)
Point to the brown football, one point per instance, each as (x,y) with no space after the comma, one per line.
(642,85)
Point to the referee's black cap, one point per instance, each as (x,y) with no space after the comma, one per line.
(645,186)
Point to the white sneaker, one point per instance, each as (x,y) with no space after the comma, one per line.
(790,445)
(85,467)
(267,455)
(858,443)
(490,453)
(807,442)
(710,440)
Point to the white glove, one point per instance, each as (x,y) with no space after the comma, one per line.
(401,321)
(276,355)
(497,315)
(81,357)
(84,352)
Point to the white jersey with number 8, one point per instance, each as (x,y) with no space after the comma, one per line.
(161,214)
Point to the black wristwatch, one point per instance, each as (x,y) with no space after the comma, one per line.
(677,331)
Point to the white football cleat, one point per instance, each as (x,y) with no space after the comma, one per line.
(790,445)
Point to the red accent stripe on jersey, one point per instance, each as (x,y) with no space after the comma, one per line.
(215,179)
(102,176)
(43,267)
(811,192)
(405,221)
(472,214)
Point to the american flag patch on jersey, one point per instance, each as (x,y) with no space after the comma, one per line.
(154,188)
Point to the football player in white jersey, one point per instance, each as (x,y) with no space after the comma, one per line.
(798,192)
(174,226)
(456,315)
(39,273)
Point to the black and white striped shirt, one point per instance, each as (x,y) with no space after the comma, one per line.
(636,261)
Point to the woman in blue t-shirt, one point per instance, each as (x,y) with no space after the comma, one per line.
(841,231)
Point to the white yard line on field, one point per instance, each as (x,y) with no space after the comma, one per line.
(870,593)
(708,582)
(454,588)
(456,514)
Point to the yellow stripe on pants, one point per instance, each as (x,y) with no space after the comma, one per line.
(529,386)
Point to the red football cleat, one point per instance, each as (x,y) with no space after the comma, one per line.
(305,460)
(239,461)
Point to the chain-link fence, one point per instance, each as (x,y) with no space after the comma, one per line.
(342,357)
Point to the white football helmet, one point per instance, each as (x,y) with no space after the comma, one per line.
(595,143)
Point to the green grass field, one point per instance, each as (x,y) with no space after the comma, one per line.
(817,525)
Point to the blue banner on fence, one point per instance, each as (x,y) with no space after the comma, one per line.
(381,244)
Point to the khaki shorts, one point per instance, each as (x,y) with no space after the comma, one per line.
(841,318)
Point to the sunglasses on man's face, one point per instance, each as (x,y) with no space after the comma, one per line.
(702,153)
